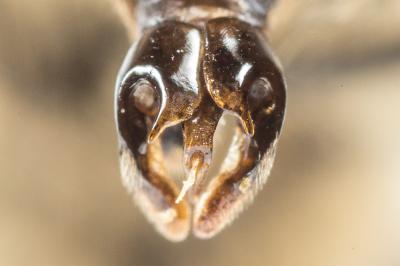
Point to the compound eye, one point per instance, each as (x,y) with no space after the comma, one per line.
(261,96)
(145,97)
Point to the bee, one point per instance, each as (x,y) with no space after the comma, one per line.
(193,61)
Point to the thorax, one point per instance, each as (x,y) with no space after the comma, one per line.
(197,12)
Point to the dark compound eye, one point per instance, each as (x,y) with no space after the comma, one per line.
(145,97)
(261,96)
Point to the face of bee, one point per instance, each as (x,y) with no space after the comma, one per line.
(178,74)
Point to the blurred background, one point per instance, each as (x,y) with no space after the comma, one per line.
(333,197)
